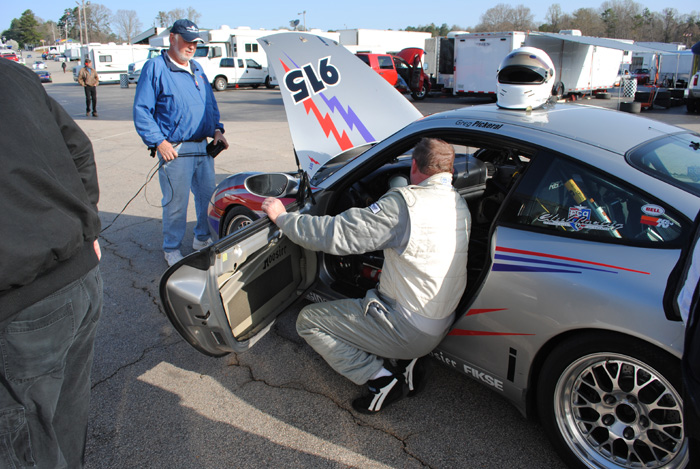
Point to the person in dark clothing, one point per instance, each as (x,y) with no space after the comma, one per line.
(50,283)
(63,66)
(88,79)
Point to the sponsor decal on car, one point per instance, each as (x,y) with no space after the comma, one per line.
(653,210)
(479,124)
(579,218)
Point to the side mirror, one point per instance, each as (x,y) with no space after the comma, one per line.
(272,185)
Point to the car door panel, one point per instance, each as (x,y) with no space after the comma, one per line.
(541,285)
(230,301)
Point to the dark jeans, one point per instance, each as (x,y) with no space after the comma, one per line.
(47,353)
(90,94)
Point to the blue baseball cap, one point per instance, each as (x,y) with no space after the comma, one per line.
(187,29)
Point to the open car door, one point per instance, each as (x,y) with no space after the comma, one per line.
(226,297)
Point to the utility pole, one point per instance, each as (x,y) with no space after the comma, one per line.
(304,17)
(80,23)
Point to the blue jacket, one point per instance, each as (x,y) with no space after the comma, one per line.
(171,104)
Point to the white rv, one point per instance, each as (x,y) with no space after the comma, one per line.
(111,60)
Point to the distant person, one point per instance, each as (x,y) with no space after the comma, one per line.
(88,79)
(63,66)
(174,112)
(50,284)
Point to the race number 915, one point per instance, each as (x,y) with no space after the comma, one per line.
(304,81)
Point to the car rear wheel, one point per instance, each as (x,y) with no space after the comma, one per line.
(220,83)
(268,83)
(420,95)
(605,402)
(237,218)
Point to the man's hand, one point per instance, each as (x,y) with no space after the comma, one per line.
(167,151)
(273,208)
(219,137)
(98,251)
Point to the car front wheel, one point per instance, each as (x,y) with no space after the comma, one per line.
(237,218)
(610,401)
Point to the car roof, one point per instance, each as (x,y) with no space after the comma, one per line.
(611,130)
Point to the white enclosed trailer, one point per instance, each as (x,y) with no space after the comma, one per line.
(581,68)
(477,57)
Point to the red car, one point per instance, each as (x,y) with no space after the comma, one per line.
(642,75)
(404,70)
(9,54)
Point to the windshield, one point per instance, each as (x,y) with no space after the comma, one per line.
(201,52)
(674,159)
(334,164)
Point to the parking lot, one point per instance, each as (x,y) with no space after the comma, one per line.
(158,403)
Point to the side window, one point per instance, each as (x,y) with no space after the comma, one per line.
(104,58)
(250,63)
(228,63)
(385,62)
(364,58)
(250,47)
(569,199)
(240,63)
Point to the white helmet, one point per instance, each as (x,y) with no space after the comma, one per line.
(525,79)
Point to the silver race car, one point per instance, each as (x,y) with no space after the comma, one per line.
(579,215)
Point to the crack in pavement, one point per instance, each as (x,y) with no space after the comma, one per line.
(297,386)
(144,352)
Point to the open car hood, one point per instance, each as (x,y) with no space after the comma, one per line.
(332,104)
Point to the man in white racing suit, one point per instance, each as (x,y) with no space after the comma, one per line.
(423,229)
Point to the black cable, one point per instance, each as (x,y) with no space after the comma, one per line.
(150,176)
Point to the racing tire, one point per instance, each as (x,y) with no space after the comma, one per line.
(237,218)
(220,83)
(268,83)
(420,95)
(691,105)
(605,403)
(633,107)
(558,91)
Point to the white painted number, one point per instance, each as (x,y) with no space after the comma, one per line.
(301,82)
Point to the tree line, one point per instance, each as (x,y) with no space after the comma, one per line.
(621,19)
(102,25)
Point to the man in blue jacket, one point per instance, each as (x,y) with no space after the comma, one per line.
(174,112)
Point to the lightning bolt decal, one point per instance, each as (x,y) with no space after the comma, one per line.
(326,122)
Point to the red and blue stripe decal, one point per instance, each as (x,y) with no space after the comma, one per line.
(520,260)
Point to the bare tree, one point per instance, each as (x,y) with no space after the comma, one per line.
(503,17)
(589,22)
(193,15)
(127,24)
(98,18)
(165,19)
(523,19)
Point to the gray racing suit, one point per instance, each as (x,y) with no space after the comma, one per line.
(424,233)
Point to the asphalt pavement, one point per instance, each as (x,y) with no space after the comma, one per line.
(158,403)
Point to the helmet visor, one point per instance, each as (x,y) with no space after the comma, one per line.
(522,68)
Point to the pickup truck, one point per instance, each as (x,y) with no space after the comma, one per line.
(404,71)
(692,94)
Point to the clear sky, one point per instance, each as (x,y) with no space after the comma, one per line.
(272,14)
